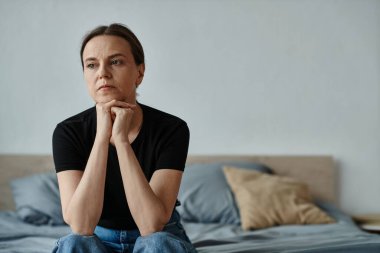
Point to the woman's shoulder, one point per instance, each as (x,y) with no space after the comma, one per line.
(79,125)
(82,117)
(163,126)
(151,114)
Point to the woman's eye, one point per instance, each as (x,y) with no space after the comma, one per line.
(116,62)
(90,65)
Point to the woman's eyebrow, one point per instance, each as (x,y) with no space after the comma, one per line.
(115,55)
(110,57)
(90,59)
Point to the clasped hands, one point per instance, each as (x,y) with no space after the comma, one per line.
(114,120)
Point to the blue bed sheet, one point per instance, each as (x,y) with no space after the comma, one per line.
(342,236)
(17,236)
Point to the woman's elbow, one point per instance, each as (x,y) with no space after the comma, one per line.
(147,230)
(65,217)
(154,226)
(80,227)
(82,230)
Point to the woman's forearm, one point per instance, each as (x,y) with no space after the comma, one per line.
(146,208)
(85,207)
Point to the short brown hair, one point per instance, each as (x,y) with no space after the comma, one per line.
(119,30)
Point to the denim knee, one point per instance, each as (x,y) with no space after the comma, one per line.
(162,242)
(74,243)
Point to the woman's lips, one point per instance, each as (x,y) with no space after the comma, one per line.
(106,87)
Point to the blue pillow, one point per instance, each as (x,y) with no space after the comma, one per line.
(205,195)
(37,199)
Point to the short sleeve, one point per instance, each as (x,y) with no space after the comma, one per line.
(173,152)
(68,152)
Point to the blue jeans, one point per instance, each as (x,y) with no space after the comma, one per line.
(172,238)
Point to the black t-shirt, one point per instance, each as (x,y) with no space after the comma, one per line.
(162,143)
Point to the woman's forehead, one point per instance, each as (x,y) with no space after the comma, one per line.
(104,45)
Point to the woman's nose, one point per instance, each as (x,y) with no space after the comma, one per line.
(104,71)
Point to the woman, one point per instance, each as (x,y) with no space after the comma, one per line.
(119,164)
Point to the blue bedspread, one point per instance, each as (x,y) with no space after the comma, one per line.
(17,236)
(344,236)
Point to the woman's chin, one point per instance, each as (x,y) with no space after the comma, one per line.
(106,99)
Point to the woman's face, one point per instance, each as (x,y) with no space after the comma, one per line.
(110,70)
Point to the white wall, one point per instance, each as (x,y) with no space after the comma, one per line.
(249,77)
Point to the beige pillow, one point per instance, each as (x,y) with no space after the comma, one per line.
(267,200)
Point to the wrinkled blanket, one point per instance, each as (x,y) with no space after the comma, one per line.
(17,236)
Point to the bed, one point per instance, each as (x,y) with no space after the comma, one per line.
(211,207)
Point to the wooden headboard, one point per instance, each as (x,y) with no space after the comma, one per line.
(318,172)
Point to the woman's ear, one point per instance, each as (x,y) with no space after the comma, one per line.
(141,71)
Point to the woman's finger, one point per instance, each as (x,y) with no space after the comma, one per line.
(120,104)
(115,110)
(117,103)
